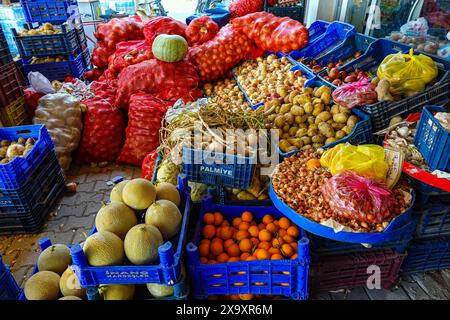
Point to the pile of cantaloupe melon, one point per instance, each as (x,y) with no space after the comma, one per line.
(119,238)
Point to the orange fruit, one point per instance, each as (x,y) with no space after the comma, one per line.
(218,230)
(276,256)
(294,256)
(264,245)
(254,231)
(264,235)
(262,254)
(284,223)
(287,250)
(261,226)
(274,251)
(294,246)
(223,257)
(277,242)
(267,219)
(277,223)
(281,233)
(205,241)
(228,243)
(233,250)
(218,218)
(208,218)
(212,261)
(203,260)
(253,223)
(244,226)
(251,258)
(242,234)
(226,233)
(313,164)
(245,245)
(209,231)
(236,222)
(246,296)
(255,241)
(203,249)
(217,240)
(216,248)
(225,223)
(271,228)
(234,297)
(244,256)
(234,259)
(288,239)
(293,231)
(247,216)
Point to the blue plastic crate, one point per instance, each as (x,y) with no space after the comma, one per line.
(64,43)
(9,289)
(53,11)
(269,277)
(433,219)
(334,36)
(316,29)
(381,112)
(15,174)
(433,140)
(58,70)
(425,192)
(5,54)
(167,271)
(323,246)
(221,169)
(427,255)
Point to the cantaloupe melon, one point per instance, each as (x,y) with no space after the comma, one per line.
(70,298)
(141,244)
(139,194)
(160,290)
(43,285)
(115,217)
(117,291)
(166,216)
(104,248)
(167,191)
(116,192)
(70,285)
(55,258)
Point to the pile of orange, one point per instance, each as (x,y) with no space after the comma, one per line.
(244,239)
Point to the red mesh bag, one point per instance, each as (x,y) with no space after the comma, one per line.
(148,165)
(154,76)
(239,8)
(173,94)
(201,30)
(356,197)
(272,33)
(31,101)
(142,134)
(217,57)
(163,25)
(103,130)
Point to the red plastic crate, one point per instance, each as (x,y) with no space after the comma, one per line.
(10,84)
(347,271)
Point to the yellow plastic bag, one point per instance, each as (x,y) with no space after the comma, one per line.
(367,160)
(407,73)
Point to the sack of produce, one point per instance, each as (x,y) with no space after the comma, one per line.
(201,30)
(407,74)
(103,132)
(128,53)
(154,76)
(367,160)
(176,93)
(148,165)
(163,25)
(272,33)
(239,8)
(356,197)
(144,121)
(31,100)
(217,57)
(359,93)
(61,114)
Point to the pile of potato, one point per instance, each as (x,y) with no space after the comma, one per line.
(37,60)
(13,149)
(307,118)
(46,28)
(258,190)
(227,94)
(269,77)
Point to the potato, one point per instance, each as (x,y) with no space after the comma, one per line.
(297,142)
(318,108)
(303,125)
(326,129)
(352,121)
(321,90)
(326,98)
(301,132)
(347,129)
(317,145)
(306,147)
(284,145)
(311,119)
(323,116)
(340,134)
(289,118)
(335,109)
(292,96)
(297,110)
(300,119)
(271,118)
(279,121)
(319,138)
(313,126)
(312,132)
(286,128)
(293,131)
(337,126)
(245,196)
(285,135)
(330,140)
(344,109)
(301,99)
(308,107)
(285,108)
(340,118)
(306,140)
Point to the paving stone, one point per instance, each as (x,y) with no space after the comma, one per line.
(78,179)
(102,186)
(125,171)
(137,173)
(56,225)
(92,208)
(23,273)
(25,258)
(80,235)
(74,223)
(86,186)
(75,210)
(101,176)
(59,237)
